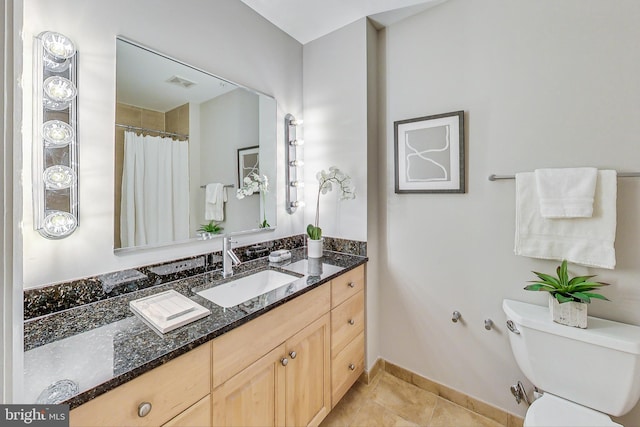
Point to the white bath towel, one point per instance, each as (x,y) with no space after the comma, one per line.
(567,192)
(586,241)
(215,196)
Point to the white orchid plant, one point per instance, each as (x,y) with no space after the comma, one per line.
(326,181)
(254,183)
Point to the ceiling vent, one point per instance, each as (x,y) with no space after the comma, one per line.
(181,81)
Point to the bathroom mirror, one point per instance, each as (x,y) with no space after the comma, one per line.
(179,131)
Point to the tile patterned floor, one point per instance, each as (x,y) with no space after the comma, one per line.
(390,401)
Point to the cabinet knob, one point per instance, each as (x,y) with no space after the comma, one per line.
(352,322)
(351,285)
(284,361)
(293,354)
(352,366)
(143,409)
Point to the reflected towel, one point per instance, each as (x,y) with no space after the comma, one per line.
(566,193)
(215,196)
(586,241)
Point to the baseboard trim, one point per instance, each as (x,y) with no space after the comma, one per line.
(459,398)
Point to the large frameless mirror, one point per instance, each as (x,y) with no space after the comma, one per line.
(186,142)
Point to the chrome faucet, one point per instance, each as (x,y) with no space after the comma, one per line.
(229,258)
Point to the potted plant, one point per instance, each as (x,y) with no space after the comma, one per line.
(326,181)
(206,230)
(254,183)
(568,298)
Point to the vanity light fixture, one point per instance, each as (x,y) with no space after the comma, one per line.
(291,126)
(55,152)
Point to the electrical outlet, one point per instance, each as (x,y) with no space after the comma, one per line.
(177,267)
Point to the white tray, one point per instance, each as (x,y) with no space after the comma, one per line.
(168,310)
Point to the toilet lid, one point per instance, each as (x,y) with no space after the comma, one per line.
(550,410)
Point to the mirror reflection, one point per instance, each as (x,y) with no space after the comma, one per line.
(186,142)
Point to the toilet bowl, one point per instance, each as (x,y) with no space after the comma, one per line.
(586,374)
(550,410)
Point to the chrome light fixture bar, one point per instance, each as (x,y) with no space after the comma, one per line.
(292,163)
(55,144)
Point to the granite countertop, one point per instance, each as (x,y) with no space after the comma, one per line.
(103,345)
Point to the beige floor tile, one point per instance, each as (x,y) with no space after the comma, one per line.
(404,399)
(448,414)
(374,415)
(345,411)
(367,389)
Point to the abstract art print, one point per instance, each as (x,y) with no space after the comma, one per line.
(429,154)
(248,163)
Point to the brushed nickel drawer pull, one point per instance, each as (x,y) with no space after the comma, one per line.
(352,367)
(143,409)
(352,322)
(351,285)
(284,361)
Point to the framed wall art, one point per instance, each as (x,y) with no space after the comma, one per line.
(429,154)
(248,162)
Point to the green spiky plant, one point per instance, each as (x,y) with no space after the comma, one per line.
(564,289)
(212,227)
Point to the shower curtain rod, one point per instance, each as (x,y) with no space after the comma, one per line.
(494,177)
(152,130)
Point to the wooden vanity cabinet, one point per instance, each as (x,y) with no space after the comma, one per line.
(170,389)
(288,367)
(290,384)
(347,332)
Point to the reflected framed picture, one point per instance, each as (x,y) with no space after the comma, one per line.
(248,162)
(429,154)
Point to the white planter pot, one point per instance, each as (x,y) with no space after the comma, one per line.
(314,248)
(569,313)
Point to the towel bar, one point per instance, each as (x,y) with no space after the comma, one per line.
(494,177)
(225,186)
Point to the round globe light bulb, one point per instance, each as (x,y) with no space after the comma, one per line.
(58,177)
(58,45)
(58,224)
(58,93)
(57,133)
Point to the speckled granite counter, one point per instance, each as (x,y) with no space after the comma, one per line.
(103,345)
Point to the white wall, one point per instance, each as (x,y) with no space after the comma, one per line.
(224,37)
(543,84)
(340,117)
(335,127)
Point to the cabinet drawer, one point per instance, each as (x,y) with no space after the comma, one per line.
(239,348)
(170,389)
(199,415)
(346,367)
(346,285)
(347,321)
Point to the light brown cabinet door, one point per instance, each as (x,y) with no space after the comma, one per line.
(255,396)
(199,415)
(308,376)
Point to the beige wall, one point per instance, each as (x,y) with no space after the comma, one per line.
(543,84)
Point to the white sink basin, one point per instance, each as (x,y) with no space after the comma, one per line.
(245,288)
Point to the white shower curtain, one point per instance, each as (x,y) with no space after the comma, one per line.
(155,190)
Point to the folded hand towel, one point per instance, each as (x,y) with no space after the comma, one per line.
(586,241)
(215,196)
(566,193)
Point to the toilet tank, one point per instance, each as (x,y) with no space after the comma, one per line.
(597,367)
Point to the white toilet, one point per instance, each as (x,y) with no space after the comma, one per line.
(585,374)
